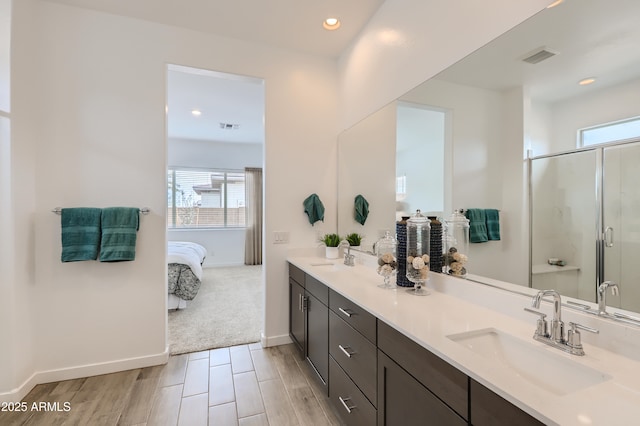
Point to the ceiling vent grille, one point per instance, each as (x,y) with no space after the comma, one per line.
(539,55)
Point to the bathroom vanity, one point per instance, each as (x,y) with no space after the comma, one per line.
(462,355)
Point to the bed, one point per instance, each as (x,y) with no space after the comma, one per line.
(185,272)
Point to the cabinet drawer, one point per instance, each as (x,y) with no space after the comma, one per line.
(351,404)
(297,274)
(488,408)
(445,381)
(353,315)
(355,354)
(316,288)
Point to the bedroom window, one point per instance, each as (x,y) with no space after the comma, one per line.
(205,198)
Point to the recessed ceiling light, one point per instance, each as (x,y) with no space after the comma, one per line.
(587,81)
(555,3)
(331,24)
(196,112)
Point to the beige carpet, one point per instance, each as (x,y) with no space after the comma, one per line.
(228,310)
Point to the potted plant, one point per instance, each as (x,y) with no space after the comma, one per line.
(354,239)
(331,241)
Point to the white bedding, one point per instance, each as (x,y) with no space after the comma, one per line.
(190,254)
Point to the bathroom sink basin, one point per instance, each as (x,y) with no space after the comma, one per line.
(536,365)
(332,266)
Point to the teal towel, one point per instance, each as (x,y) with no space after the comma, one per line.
(80,233)
(361,209)
(314,208)
(477,226)
(119,228)
(493,224)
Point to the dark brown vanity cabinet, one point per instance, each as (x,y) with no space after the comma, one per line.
(353,361)
(309,320)
(297,320)
(378,376)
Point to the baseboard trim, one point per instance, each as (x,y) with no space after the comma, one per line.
(267,341)
(40,377)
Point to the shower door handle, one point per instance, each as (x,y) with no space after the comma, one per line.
(608,236)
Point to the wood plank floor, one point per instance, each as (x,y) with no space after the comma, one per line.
(242,386)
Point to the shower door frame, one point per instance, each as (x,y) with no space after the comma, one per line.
(600,236)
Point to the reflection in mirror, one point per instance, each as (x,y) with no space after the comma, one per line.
(420,146)
(503,109)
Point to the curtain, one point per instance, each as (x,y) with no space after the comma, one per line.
(253,211)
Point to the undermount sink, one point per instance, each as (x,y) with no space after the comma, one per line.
(332,266)
(536,365)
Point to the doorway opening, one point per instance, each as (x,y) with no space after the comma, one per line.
(215,157)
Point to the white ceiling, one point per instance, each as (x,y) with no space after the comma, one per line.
(593,38)
(221,98)
(288,24)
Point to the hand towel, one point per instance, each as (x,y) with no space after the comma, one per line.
(80,233)
(477,225)
(119,228)
(314,208)
(361,209)
(493,224)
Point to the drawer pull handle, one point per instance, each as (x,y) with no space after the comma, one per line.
(346,312)
(344,403)
(345,351)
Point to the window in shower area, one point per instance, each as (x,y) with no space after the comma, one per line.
(617,131)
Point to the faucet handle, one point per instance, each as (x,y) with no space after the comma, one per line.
(575,327)
(573,337)
(542,327)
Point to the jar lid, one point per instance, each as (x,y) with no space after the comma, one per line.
(457,216)
(418,218)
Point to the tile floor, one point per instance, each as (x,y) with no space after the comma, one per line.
(243,385)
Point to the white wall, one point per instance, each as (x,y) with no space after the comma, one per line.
(224,246)
(409,41)
(366,166)
(17,186)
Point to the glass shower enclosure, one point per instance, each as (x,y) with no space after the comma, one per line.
(585,222)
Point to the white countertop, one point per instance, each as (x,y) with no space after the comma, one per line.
(457,305)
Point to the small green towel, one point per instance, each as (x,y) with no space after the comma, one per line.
(119,228)
(493,224)
(80,233)
(313,208)
(477,225)
(361,209)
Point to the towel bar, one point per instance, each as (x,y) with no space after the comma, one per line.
(143,210)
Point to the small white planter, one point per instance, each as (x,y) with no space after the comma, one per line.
(332,252)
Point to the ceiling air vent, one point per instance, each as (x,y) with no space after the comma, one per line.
(539,55)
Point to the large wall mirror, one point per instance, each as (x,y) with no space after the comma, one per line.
(515,99)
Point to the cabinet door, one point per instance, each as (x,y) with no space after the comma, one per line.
(490,409)
(403,401)
(296,315)
(318,336)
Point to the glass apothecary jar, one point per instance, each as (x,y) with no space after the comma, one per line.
(386,250)
(456,243)
(418,250)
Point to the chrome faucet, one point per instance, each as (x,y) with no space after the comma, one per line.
(602,296)
(555,338)
(349,259)
(557,326)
